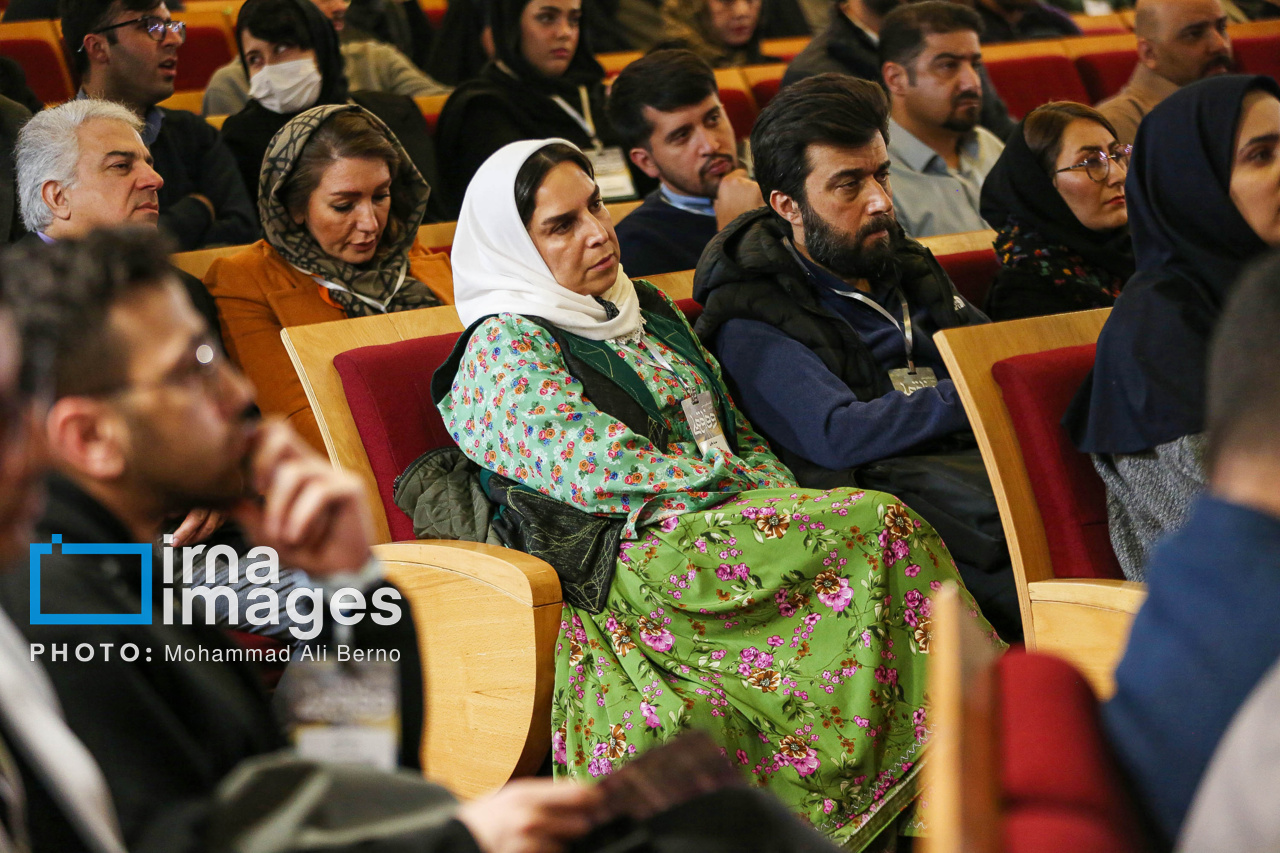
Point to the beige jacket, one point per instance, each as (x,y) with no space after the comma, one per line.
(1126,108)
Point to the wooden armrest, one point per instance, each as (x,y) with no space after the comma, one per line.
(1086,621)
(527,579)
(487,619)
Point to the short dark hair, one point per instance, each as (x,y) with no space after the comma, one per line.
(347,134)
(665,80)
(831,109)
(1243,376)
(535,169)
(1043,128)
(82,17)
(62,295)
(903,31)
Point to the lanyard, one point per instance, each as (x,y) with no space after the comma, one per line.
(905,328)
(651,355)
(381,306)
(583,119)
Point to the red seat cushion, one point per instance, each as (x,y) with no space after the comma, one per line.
(1061,787)
(972,272)
(1073,503)
(40,61)
(1105,73)
(269,671)
(204,52)
(1026,82)
(388,388)
(764,90)
(1258,54)
(740,109)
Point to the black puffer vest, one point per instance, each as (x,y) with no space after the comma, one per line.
(748,272)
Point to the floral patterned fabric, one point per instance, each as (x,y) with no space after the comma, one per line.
(790,624)
(1022,249)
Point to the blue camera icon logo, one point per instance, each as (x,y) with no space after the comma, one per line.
(142,552)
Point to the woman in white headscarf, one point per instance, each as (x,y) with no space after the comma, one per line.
(703,589)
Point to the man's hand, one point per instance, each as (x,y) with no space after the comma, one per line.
(737,195)
(314,515)
(205,200)
(533,816)
(197,527)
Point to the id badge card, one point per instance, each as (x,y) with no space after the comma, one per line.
(612,175)
(700,412)
(908,383)
(343,712)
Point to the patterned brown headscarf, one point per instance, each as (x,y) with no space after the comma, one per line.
(376,279)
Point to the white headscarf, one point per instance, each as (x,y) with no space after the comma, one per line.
(497,269)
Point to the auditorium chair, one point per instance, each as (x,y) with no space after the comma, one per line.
(1015,380)
(431,107)
(1028,74)
(969,260)
(1103,62)
(785,49)
(1257,47)
(739,103)
(1097,25)
(764,81)
(487,617)
(1018,759)
(210,45)
(37,47)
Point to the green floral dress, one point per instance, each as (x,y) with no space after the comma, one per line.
(791,624)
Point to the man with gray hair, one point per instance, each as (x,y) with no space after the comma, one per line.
(82,166)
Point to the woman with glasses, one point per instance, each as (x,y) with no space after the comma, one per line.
(1204,196)
(1056,198)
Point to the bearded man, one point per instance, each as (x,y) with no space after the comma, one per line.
(822,315)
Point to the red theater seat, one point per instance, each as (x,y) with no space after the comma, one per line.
(972,273)
(1060,785)
(1027,81)
(209,46)
(765,81)
(1105,74)
(1258,54)
(35,46)
(1037,389)
(739,105)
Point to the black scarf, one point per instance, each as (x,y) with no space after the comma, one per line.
(1190,241)
(583,69)
(1018,194)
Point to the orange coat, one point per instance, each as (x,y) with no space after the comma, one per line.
(258,293)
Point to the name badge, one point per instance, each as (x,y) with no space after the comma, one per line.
(700,412)
(612,175)
(344,712)
(908,383)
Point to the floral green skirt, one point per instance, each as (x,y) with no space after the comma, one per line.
(792,625)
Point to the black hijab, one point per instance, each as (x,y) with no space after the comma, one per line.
(583,69)
(1190,241)
(1018,191)
(279,21)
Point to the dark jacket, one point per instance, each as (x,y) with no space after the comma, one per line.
(248,133)
(167,730)
(657,238)
(12,116)
(843,48)
(191,159)
(13,83)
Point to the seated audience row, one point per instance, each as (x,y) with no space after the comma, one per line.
(1201,205)
(720,607)
(180,750)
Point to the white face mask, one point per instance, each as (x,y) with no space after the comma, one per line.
(287,87)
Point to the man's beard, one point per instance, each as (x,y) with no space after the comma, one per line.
(958,121)
(208,479)
(708,185)
(850,257)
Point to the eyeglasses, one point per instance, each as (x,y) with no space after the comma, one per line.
(1098,166)
(157,28)
(204,372)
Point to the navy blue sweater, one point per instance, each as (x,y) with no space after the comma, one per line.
(1205,636)
(658,238)
(789,394)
